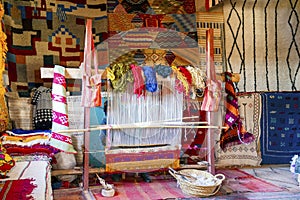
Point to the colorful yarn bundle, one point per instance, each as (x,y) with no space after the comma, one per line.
(182,85)
(139,86)
(186,74)
(60,119)
(150,79)
(4,116)
(122,75)
(198,77)
(188,78)
(163,70)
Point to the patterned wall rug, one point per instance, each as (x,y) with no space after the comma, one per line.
(280,140)
(47,33)
(244,154)
(262,39)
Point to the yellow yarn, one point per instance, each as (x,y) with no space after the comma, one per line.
(121,75)
(3,50)
(110,74)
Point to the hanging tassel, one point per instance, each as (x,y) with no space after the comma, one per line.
(163,70)
(139,85)
(182,84)
(150,79)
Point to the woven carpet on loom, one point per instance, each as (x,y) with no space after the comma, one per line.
(261,42)
(280,138)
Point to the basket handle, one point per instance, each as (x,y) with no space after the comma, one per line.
(220,175)
(217,189)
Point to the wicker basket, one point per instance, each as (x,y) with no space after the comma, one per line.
(189,187)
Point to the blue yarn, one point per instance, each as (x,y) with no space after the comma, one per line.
(163,70)
(150,79)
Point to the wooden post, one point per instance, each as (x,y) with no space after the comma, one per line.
(210,75)
(86,159)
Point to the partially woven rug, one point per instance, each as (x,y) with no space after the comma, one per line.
(261,42)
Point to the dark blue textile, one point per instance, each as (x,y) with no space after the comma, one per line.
(280,127)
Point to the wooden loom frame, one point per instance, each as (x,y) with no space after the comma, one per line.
(72,73)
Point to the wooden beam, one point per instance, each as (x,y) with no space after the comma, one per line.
(71,73)
(57,172)
(75,73)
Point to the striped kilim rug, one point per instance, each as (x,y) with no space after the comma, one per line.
(236,184)
(132,189)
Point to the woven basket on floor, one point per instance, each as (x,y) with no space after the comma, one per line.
(190,188)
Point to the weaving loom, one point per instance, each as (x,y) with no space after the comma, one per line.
(158,145)
(144,149)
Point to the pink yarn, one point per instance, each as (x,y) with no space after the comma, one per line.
(179,86)
(138,85)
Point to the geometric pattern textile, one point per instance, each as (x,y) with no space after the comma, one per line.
(280,140)
(211,3)
(49,33)
(262,39)
(60,121)
(42,108)
(214,20)
(244,154)
(4,118)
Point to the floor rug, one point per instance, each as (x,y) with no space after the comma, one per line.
(161,187)
(239,181)
(280,176)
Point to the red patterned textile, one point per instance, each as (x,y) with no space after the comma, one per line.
(142,159)
(17,190)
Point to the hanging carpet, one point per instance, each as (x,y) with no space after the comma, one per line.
(261,42)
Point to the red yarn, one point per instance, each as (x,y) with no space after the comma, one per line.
(139,87)
(186,73)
